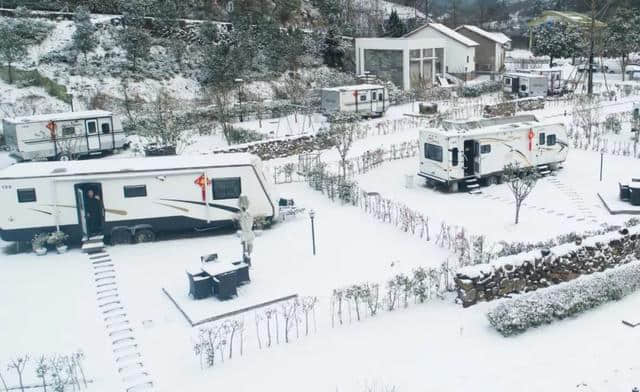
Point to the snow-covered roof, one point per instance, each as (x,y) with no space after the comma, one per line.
(354,87)
(59,116)
(574,18)
(489,126)
(124,165)
(442,29)
(494,36)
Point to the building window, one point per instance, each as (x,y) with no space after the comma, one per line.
(542,139)
(551,140)
(454,157)
(26,195)
(485,149)
(433,152)
(226,188)
(106,128)
(414,53)
(68,131)
(135,191)
(467,59)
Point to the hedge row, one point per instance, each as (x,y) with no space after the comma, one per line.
(544,306)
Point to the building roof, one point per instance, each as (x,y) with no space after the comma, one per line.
(354,87)
(59,116)
(494,36)
(444,30)
(572,18)
(124,165)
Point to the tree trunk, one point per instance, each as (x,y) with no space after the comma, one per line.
(623,63)
(551,62)
(10,70)
(517,213)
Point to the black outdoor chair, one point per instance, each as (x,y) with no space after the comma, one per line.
(242,274)
(213,257)
(225,285)
(625,193)
(200,285)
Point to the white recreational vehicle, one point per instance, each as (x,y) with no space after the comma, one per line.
(468,151)
(62,136)
(554,78)
(522,85)
(369,100)
(141,196)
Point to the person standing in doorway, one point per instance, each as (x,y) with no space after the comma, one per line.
(95,213)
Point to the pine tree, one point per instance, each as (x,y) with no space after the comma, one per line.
(12,46)
(394,27)
(622,36)
(83,38)
(334,52)
(556,40)
(135,40)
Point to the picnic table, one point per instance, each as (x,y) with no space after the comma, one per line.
(223,278)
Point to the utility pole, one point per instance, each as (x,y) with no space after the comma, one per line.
(591,47)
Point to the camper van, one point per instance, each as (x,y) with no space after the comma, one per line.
(139,196)
(554,78)
(466,152)
(63,136)
(521,85)
(369,100)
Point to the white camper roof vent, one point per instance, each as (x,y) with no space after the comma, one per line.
(59,170)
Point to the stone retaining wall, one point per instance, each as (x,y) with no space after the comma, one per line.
(541,268)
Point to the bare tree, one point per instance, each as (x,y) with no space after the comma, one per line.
(521,182)
(4,383)
(343,129)
(222,99)
(18,365)
(586,114)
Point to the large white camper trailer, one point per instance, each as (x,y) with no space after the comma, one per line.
(521,85)
(141,196)
(62,136)
(369,100)
(468,151)
(554,78)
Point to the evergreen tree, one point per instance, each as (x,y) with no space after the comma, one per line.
(622,36)
(394,27)
(556,40)
(83,38)
(135,40)
(12,46)
(334,52)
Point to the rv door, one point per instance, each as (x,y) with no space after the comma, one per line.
(93,136)
(82,212)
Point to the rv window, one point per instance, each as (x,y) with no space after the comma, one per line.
(636,114)
(454,157)
(380,96)
(523,87)
(27,195)
(68,131)
(433,152)
(91,127)
(467,59)
(363,98)
(485,149)
(551,140)
(374,97)
(226,188)
(106,128)
(507,81)
(542,139)
(135,191)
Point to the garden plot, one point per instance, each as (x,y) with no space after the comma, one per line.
(49,307)
(558,204)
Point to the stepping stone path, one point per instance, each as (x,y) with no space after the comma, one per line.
(126,352)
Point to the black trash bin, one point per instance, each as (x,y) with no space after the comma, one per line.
(634,189)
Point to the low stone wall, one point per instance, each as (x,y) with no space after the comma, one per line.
(280,148)
(541,268)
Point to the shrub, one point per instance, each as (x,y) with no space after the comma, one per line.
(476,90)
(544,306)
(240,135)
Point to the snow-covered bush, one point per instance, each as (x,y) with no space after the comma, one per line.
(612,124)
(513,316)
(476,90)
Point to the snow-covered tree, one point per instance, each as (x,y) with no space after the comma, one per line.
(521,182)
(394,26)
(556,40)
(83,38)
(334,52)
(343,130)
(622,36)
(135,40)
(13,47)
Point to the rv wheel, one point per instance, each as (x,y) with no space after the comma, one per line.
(121,237)
(64,157)
(144,235)
(492,180)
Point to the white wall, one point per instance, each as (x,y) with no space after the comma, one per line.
(456,52)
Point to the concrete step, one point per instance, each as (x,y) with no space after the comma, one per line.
(472,186)
(475,192)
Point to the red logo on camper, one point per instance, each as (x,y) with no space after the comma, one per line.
(203,182)
(531,135)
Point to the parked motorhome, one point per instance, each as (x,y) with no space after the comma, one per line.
(63,136)
(140,196)
(369,100)
(521,85)
(465,152)
(554,78)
